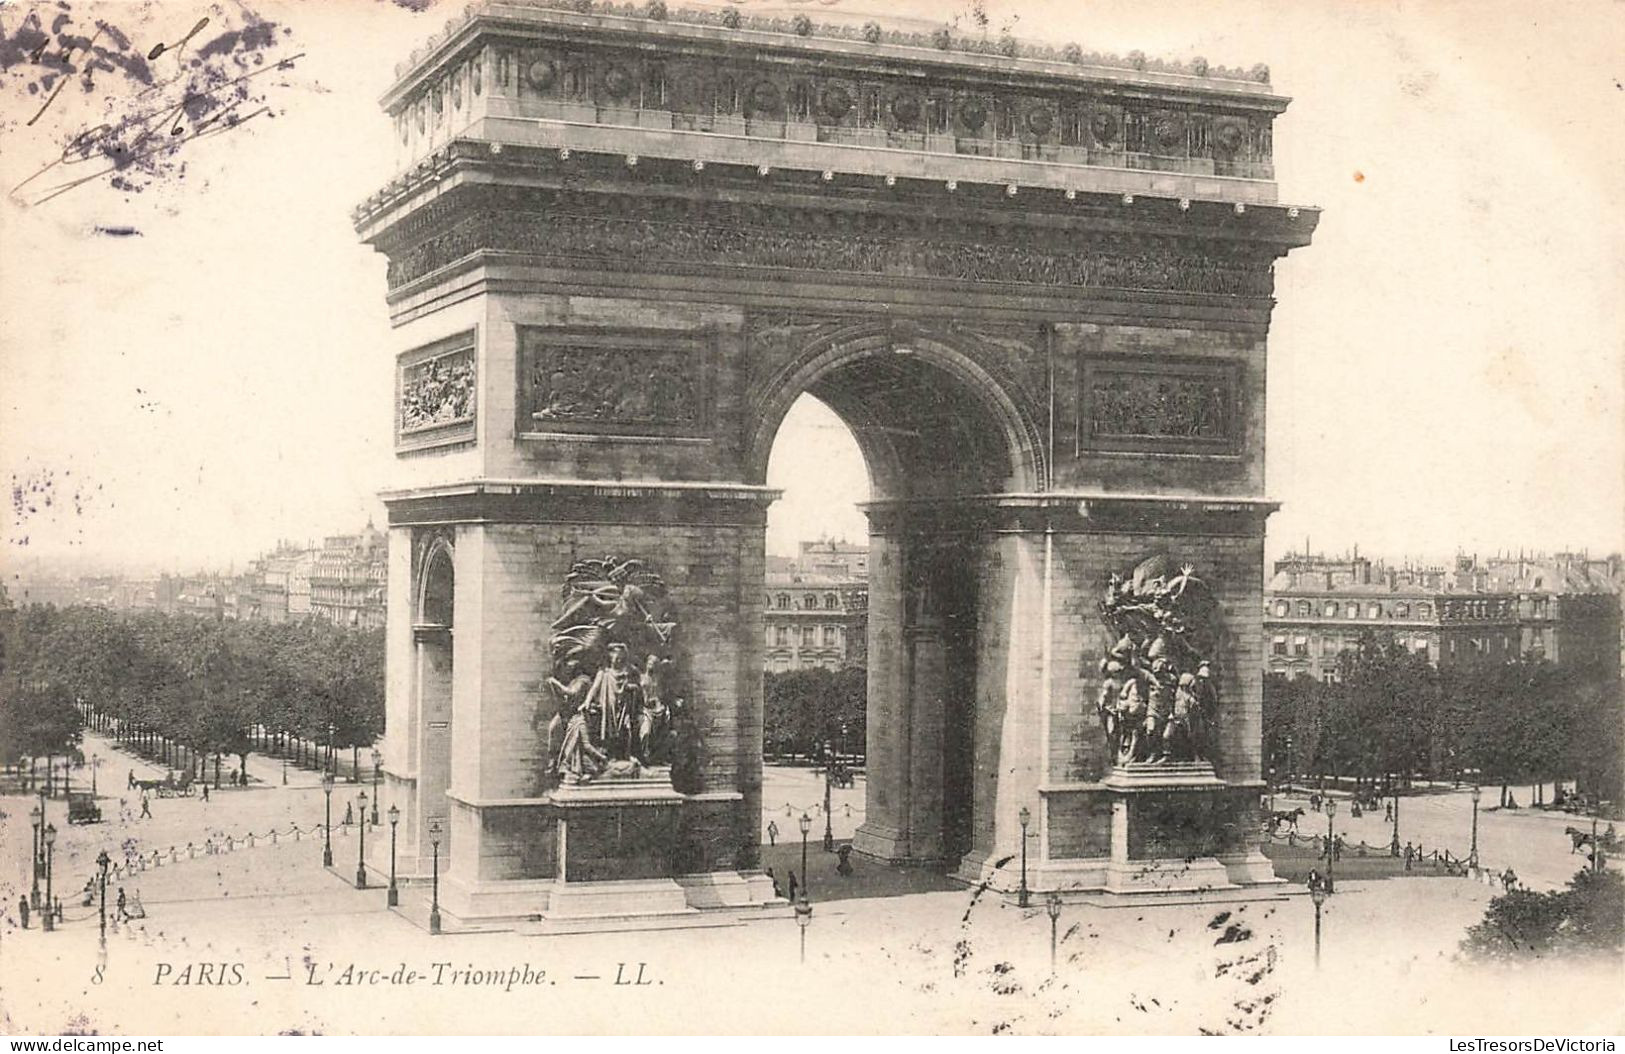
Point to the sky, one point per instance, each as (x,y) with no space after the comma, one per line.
(192,371)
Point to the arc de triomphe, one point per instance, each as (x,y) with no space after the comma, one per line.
(1036,285)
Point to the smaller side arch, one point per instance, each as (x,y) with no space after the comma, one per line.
(436,588)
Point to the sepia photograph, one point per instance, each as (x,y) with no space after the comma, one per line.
(805,518)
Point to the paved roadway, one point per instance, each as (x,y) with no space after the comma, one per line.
(1530,841)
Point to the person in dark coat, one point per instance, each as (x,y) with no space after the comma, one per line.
(22,910)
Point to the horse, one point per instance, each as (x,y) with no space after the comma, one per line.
(1279,817)
(1578,837)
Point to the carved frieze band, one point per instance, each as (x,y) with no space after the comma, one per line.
(1138,405)
(619,381)
(623,233)
(436,393)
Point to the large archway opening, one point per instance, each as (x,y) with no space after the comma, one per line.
(919,435)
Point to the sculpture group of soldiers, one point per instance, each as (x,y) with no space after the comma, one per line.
(1150,709)
(616,720)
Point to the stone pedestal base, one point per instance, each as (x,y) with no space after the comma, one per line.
(1174,830)
(1145,833)
(622,858)
(889,846)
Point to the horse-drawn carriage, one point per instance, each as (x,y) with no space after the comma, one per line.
(841,776)
(171,786)
(1607,841)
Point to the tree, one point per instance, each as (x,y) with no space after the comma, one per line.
(1585,918)
(1294,711)
(802,708)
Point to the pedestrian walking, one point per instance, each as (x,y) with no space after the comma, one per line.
(131,785)
(1410,854)
(205,792)
(1388,812)
(793,884)
(349,813)
(123,909)
(22,910)
(772,833)
(146,806)
(844,868)
(1509,880)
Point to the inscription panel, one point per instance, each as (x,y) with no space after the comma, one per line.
(626,382)
(1180,406)
(436,393)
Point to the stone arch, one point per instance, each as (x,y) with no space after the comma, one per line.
(908,393)
(434,605)
(869,374)
(436,588)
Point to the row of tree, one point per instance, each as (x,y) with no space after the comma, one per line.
(806,712)
(183,687)
(1391,716)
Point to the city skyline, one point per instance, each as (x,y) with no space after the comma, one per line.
(1440,380)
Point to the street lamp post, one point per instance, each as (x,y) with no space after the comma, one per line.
(1472,854)
(806,828)
(36,854)
(1024,896)
(803,920)
(327,828)
(1053,906)
(95,763)
(1596,850)
(284,767)
(1331,841)
(1317,893)
(394,893)
(1393,844)
(829,777)
(377,774)
(39,860)
(434,897)
(103,860)
(361,846)
(50,855)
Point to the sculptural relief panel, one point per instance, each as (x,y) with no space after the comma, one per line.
(626,233)
(1165,406)
(436,393)
(617,382)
